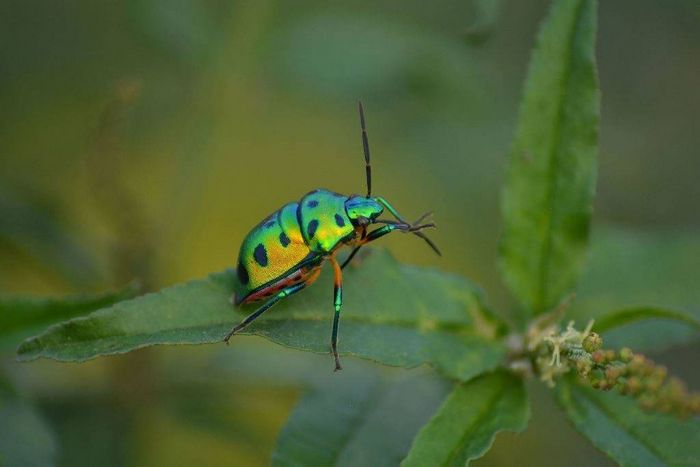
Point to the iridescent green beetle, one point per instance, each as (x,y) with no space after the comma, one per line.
(285,252)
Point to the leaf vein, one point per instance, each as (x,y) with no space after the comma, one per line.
(616,419)
(554,155)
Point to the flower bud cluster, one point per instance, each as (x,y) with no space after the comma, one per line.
(630,374)
(637,376)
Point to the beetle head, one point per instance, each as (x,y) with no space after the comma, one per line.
(362,210)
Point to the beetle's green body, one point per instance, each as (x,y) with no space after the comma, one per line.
(285,252)
(292,242)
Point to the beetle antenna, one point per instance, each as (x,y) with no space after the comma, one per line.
(365,147)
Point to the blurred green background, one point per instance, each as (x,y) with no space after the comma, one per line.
(142,139)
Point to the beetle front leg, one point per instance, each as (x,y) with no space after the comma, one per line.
(391,209)
(351,256)
(373,235)
(380,232)
(337,304)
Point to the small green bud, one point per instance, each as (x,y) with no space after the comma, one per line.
(638,365)
(633,385)
(639,359)
(598,357)
(626,369)
(583,367)
(653,384)
(613,373)
(626,354)
(592,342)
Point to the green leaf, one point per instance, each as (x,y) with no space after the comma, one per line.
(637,269)
(631,315)
(465,426)
(617,426)
(21,317)
(25,439)
(358,418)
(550,180)
(394,314)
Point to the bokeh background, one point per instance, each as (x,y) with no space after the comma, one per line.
(141,139)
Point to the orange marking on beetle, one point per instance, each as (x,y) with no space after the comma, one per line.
(337,273)
(305,275)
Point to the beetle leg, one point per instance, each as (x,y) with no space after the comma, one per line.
(350,256)
(380,232)
(371,236)
(391,209)
(430,243)
(266,306)
(355,250)
(337,303)
(375,234)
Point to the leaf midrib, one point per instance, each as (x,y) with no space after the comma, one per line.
(616,420)
(554,153)
(463,329)
(477,421)
(628,316)
(33,354)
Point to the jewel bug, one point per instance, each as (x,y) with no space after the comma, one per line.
(285,252)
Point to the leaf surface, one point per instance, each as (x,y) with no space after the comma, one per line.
(465,426)
(366,418)
(550,180)
(619,427)
(631,315)
(21,317)
(394,314)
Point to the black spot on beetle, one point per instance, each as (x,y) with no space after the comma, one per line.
(243,274)
(311,228)
(260,255)
(312,204)
(339,221)
(284,240)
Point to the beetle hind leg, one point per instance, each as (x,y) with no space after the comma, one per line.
(266,306)
(337,303)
